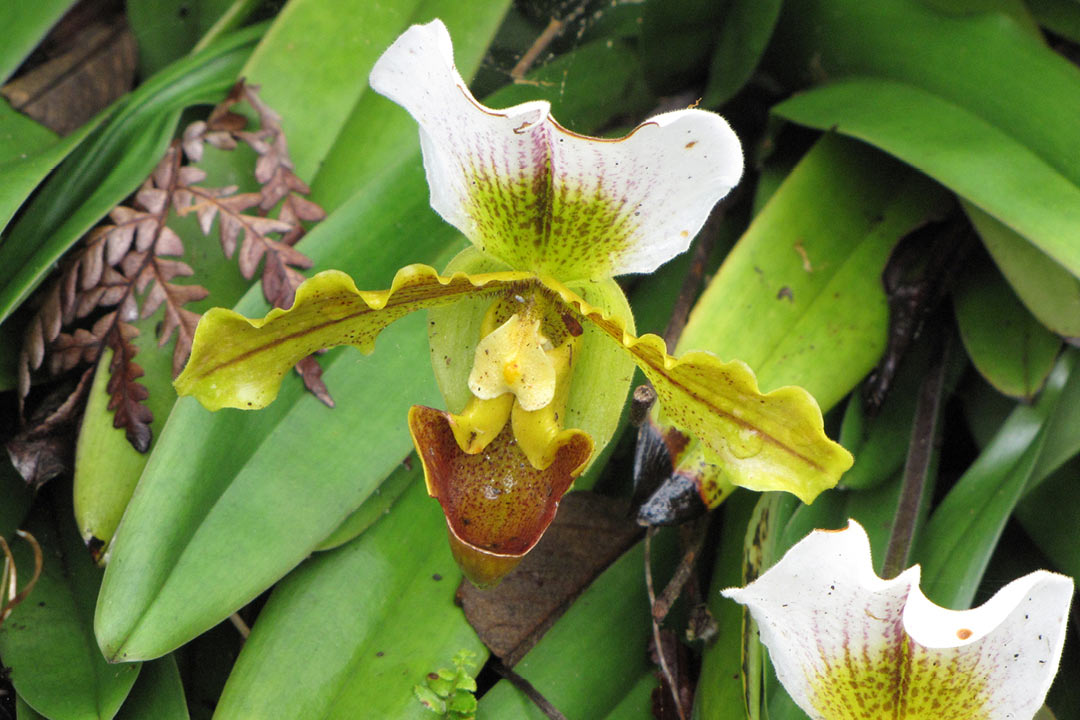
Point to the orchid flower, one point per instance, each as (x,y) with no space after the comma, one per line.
(848,645)
(532,340)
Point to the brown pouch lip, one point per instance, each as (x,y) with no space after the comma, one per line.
(497,505)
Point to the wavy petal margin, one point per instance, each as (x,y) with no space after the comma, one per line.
(763,442)
(848,645)
(239,363)
(773,441)
(497,505)
(539,197)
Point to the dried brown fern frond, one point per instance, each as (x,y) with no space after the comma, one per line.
(128,268)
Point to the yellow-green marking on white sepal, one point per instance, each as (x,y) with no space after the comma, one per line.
(541,198)
(848,645)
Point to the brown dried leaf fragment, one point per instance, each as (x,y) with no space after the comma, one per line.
(45,447)
(589,533)
(129,265)
(126,395)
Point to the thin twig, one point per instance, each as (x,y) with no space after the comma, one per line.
(924,432)
(554,27)
(9,561)
(240,625)
(662,606)
(526,687)
(656,626)
(640,403)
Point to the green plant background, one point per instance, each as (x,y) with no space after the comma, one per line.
(863,123)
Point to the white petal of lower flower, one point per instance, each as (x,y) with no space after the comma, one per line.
(847,644)
(542,198)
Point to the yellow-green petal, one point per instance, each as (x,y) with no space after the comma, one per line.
(240,363)
(773,441)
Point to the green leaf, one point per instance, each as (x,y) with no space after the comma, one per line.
(720,687)
(818,322)
(1048,290)
(382,499)
(744,33)
(677,38)
(111,164)
(20,135)
(1050,514)
(52,629)
(962,533)
(997,133)
(157,694)
(377,134)
(1061,17)
(953,145)
(25,712)
(881,445)
(17,497)
(604,632)
(166,30)
(25,24)
(1006,343)
(343,41)
(1026,92)
(365,649)
(31,156)
(1015,9)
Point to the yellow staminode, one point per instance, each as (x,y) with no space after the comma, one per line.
(514,359)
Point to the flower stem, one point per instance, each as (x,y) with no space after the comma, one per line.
(921,452)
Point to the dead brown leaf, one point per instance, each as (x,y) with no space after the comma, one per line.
(63,93)
(589,533)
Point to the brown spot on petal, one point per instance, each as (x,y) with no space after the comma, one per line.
(963,633)
(495,501)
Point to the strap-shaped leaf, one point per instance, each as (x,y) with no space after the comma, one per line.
(237,362)
(773,441)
